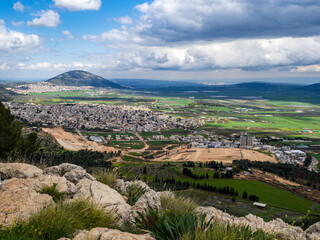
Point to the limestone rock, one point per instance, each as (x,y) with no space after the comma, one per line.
(110,234)
(279,228)
(61,169)
(19,170)
(76,175)
(121,186)
(62,183)
(19,200)
(102,194)
(314,229)
(149,200)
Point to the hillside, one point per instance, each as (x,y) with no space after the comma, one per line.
(313,88)
(82,78)
(148,83)
(5,95)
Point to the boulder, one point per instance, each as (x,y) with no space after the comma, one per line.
(314,229)
(76,175)
(19,200)
(107,197)
(121,186)
(109,234)
(19,170)
(149,200)
(61,169)
(62,183)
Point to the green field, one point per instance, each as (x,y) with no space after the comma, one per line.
(282,123)
(126,144)
(267,193)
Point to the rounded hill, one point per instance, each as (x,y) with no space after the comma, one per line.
(82,78)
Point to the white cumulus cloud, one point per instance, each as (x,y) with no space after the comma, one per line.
(124,20)
(13,41)
(47,18)
(78,5)
(17,24)
(18,6)
(68,34)
(142,7)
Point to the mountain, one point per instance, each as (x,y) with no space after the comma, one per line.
(149,84)
(313,87)
(82,78)
(6,95)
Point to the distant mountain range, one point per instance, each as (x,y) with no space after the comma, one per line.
(82,78)
(151,84)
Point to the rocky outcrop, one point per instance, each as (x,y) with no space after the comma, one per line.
(107,197)
(149,200)
(121,186)
(313,231)
(76,175)
(19,200)
(277,227)
(61,169)
(109,234)
(19,170)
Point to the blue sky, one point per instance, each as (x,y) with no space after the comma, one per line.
(218,40)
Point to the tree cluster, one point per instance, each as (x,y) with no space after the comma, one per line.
(291,172)
(13,143)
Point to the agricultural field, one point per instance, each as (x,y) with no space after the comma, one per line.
(281,203)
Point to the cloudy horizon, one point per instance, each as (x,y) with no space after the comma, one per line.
(203,40)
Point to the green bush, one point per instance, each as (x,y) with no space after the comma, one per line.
(179,204)
(60,220)
(107,177)
(134,192)
(54,192)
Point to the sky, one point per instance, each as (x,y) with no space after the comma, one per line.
(202,40)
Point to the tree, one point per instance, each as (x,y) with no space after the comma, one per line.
(245,195)
(145,170)
(11,140)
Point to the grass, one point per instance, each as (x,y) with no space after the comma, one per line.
(189,226)
(230,232)
(178,204)
(134,192)
(267,193)
(107,177)
(54,192)
(159,145)
(60,220)
(131,159)
(126,144)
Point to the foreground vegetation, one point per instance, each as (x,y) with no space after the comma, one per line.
(58,220)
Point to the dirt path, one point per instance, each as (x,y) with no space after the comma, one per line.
(225,155)
(74,142)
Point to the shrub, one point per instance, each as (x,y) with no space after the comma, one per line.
(172,226)
(230,232)
(61,220)
(107,177)
(179,204)
(148,220)
(191,226)
(134,192)
(54,192)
